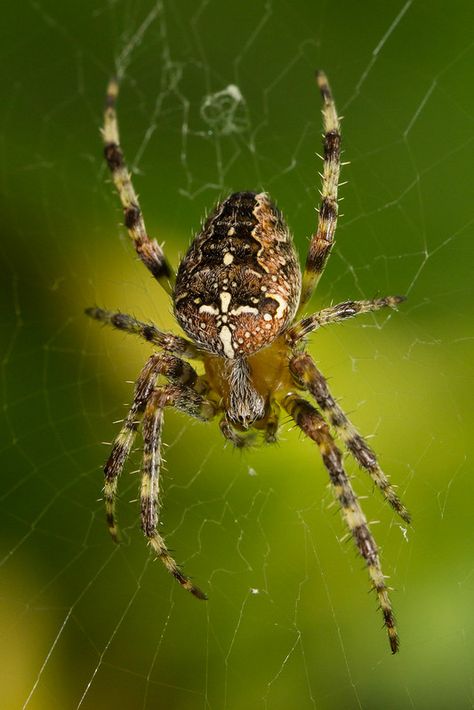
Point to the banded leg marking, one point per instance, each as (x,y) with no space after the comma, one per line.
(113,468)
(322,241)
(195,405)
(334,314)
(147,249)
(307,374)
(313,425)
(149,332)
(273,420)
(174,369)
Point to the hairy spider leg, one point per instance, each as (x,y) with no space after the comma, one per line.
(149,251)
(272,422)
(342,311)
(168,341)
(240,441)
(323,239)
(313,425)
(175,370)
(308,376)
(193,404)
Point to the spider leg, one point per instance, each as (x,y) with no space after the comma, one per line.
(313,425)
(149,332)
(191,403)
(240,441)
(341,311)
(273,419)
(323,239)
(147,249)
(308,376)
(174,369)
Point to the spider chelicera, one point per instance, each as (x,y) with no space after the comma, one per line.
(238,294)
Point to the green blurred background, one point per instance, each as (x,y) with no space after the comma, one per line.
(289,622)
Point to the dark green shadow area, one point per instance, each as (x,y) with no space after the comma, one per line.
(220,97)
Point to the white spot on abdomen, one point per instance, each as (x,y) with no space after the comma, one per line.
(282,304)
(228,258)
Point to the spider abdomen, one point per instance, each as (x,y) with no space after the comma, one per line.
(238,287)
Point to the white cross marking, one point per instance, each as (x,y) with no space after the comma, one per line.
(226,337)
(244,309)
(225,300)
(209,309)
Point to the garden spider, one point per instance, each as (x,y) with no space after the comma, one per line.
(236,295)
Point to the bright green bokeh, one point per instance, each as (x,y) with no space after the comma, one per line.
(289,623)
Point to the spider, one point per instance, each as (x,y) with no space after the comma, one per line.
(238,294)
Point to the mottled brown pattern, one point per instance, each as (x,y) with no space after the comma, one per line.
(241,273)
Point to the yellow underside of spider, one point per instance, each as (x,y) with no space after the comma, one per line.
(271,377)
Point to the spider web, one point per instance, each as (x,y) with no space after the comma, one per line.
(218,98)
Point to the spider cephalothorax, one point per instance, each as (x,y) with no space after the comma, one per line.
(236,294)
